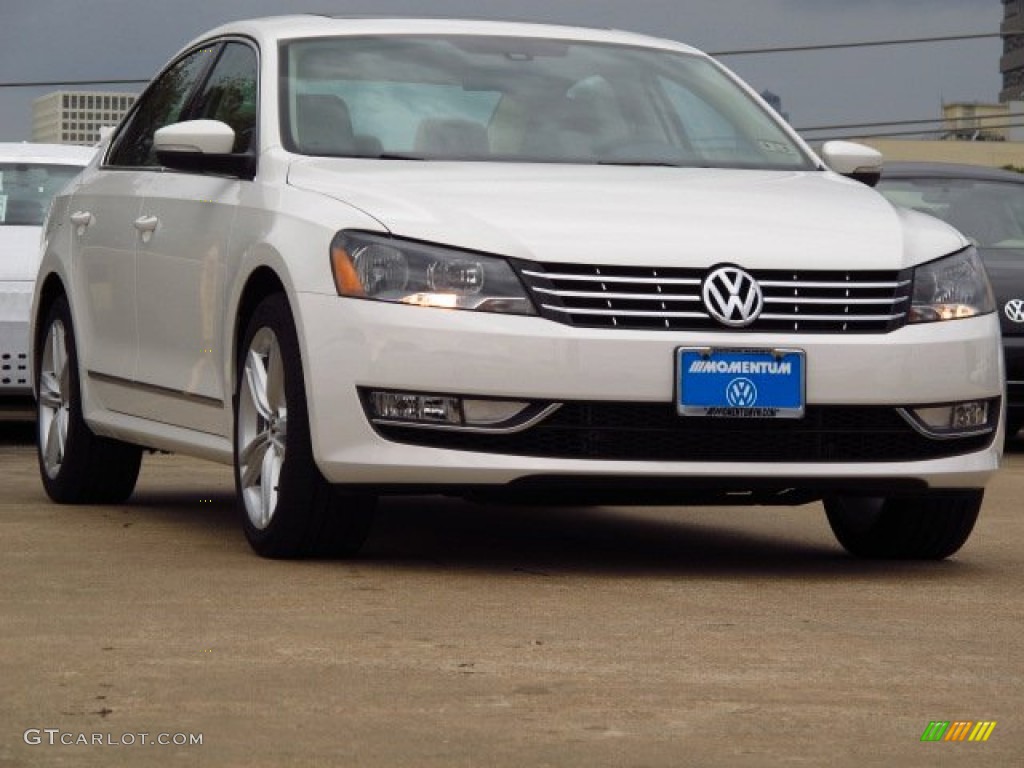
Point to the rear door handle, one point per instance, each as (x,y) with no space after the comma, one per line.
(146,223)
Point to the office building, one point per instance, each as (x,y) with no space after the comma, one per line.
(76,117)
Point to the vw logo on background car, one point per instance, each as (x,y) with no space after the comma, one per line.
(1014,310)
(741,393)
(732,297)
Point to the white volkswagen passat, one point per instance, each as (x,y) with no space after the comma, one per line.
(505,261)
(30,175)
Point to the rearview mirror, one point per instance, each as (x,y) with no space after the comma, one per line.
(202,146)
(856,161)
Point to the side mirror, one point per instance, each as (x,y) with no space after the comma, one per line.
(202,146)
(856,161)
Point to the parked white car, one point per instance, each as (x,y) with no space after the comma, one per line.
(358,257)
(30,175)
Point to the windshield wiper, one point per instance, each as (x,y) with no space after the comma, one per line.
(395,156)
(645,163)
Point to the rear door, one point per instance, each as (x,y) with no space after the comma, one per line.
(106,219)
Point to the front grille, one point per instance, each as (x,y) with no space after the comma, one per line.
(648,298)
(654,432)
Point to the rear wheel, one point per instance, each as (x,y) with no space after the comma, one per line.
(76,466)
(288,509)
(931,526)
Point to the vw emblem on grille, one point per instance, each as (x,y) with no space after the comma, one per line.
(741,393)
(1014,310)
(732,297)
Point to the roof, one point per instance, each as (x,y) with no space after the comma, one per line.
(54,154)
(310,25)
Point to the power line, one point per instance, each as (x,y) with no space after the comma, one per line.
(850,126)
(885,134)
(56,83)
(864,44)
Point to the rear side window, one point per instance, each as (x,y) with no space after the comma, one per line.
(26,190)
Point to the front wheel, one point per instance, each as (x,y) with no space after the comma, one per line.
(931,526)
(288,509)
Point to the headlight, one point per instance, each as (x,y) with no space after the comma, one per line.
(385,269)
(951,288)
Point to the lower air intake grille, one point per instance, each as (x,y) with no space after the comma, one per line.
(654,432)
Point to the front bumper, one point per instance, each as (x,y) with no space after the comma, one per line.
(15,306)
(349,344)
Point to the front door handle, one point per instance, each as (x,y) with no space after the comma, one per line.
(81,218)
(146,225)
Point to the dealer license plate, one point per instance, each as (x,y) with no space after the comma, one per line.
(735,383)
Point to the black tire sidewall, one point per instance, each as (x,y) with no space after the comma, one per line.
(299,481)
(70,476)
(94,469)
(929,526)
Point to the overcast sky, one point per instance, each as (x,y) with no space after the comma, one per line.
(57,40)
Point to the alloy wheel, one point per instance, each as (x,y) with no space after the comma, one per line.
(54,403)
(262,427)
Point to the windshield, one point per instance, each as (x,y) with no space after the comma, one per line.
(26,190)
(522,100)
(989,213)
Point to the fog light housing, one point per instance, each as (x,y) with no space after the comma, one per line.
(407,406)
(955,419)
(484,412)
(453,412)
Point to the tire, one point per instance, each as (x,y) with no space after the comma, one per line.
(76,465)
(928,527)
(1014,422)
(287,507)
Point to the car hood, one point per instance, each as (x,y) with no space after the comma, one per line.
(653,216)
(19,252)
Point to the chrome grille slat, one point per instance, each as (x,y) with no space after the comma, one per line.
(822,302)
(624,296)
(659,298)
(834,318)
(623,312)
(613,278)
(835,285)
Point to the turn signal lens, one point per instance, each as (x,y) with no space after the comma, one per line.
(346,279)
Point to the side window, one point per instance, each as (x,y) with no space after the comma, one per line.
(230,94)
(160,105)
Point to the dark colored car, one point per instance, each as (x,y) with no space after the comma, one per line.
(987,205)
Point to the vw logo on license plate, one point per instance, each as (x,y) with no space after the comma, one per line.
(741,393)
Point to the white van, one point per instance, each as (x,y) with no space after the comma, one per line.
(30,175)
